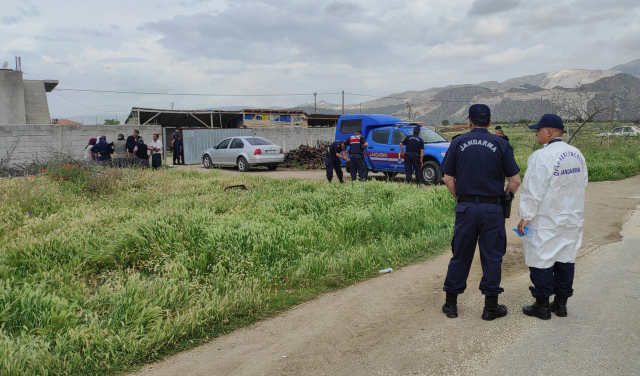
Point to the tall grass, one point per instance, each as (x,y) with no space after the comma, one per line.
(93,284)
(614,159)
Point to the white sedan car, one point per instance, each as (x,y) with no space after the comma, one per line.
(622,131)
(244,152)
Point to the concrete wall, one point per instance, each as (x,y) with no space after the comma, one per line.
(291,138)
(35,102)
(12,110)
(43,140)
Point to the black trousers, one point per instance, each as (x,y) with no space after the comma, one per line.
(177,156)
(557,280)
(357,166)
(156,161)
(412,161)
(333,164)
(482,225)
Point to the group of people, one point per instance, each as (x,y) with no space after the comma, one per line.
(124,153)
(551,211)
(413,157)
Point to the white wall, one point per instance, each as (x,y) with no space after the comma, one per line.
(44,140)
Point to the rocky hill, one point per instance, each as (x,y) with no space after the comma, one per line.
(527,97)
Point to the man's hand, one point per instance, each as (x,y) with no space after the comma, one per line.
(348,159)
(521,226)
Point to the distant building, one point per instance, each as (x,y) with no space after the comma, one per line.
(247,118)
(64,122)
(24,101)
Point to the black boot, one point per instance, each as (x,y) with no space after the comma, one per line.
(341,181)
(493,310)
(559,306)
(450,307)
(539,309)
(329,180)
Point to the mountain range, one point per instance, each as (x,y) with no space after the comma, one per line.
(527,97)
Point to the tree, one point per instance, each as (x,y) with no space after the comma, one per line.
(579,105)
(445,122)
(111,122)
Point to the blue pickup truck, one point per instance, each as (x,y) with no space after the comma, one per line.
(384,134)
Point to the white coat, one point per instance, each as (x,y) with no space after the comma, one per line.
(552,200)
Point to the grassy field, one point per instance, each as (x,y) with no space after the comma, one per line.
(101,270)
(615,159)
(104,271)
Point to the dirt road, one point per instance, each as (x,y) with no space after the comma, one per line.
(393,324)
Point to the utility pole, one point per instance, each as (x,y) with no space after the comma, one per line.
(343,102)
(171,106)
(315,102)
(360,108)
(613,106)
(409,110)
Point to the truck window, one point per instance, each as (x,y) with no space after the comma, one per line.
(397,138)
(350,126)
(380,137)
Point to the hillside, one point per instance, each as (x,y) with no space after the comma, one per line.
(527,97)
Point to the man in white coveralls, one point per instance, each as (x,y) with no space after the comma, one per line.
(552,209)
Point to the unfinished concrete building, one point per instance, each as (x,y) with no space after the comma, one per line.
(24,101)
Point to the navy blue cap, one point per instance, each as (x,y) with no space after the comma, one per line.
(548,121)
(416,130)
(479,111)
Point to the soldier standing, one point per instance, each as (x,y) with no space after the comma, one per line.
(474,169)
(332,160)
(414,155)
(358,145)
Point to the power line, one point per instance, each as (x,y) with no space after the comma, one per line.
(185,94)
(91,108)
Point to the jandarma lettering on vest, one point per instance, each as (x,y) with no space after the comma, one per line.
(478,142)
(562,157)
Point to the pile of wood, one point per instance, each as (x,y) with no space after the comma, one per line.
(307,156)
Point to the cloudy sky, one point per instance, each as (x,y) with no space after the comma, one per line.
(300,47)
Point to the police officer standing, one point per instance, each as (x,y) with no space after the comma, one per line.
(475,168)
(332,160)
(358,145)
(413,156)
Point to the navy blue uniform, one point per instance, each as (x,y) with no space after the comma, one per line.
(413,144)
(177,151)
(356,155)
(332,162)
(479,161)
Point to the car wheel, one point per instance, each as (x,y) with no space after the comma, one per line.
(273,167)
(389,175)
(206,161)
(243,165)
(431,173)
(347,167)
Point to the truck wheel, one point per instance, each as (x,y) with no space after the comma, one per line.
(431,173)
(389,175)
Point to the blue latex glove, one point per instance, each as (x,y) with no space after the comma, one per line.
(526,231)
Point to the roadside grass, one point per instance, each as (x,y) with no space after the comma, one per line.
(102,270)
(607,160)
(96,282)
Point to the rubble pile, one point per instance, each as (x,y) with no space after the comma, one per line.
(307,156)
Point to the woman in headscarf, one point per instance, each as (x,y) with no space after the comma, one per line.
(88,154)
(103,151)
(120,147)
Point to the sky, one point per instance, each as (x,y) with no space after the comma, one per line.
(234,48)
